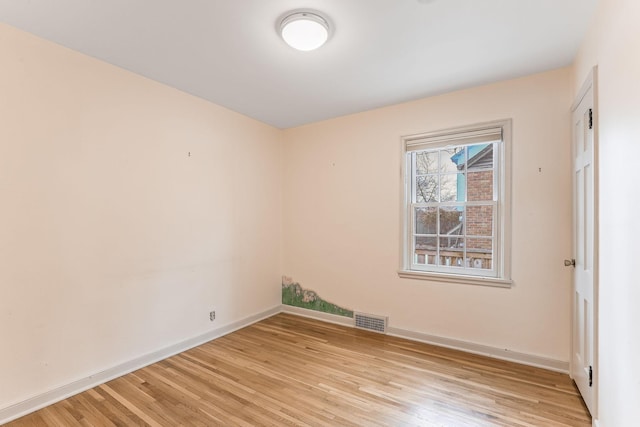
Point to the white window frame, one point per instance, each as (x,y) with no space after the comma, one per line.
(500,275)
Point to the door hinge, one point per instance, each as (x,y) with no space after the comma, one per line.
(590,376)
(590,118)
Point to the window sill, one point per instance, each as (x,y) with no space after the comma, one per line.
(456,278)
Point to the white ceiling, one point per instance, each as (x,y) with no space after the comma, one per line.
(381,52)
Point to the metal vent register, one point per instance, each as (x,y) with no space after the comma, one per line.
(371,322)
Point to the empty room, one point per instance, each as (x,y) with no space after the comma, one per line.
(319,213)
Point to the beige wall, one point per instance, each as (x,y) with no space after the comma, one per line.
(342,213)
(613,44)
(113,241)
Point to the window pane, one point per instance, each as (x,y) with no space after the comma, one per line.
(452,220)
(480,186)
(426,243)
(425,250)
(451,251)
(452,187)
(480,156)
(479,254)
(426,162)
(426,188)
(479,220)
(449,159)
(452,242)
(426,221)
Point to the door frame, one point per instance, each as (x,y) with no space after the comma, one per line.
(591,82)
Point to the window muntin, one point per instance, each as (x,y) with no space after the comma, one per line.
(455,203)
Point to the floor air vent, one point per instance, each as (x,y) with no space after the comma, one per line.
(371,322)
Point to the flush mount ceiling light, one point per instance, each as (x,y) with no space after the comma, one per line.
(304,30)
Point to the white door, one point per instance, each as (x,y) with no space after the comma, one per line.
(584,333)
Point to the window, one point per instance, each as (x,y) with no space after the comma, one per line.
(456,205)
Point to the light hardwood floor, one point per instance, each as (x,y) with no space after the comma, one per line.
(292,371)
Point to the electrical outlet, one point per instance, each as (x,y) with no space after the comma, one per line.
(212,315)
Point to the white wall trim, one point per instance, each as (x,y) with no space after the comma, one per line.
(595,423)
(466,346)
(484,350)
(47,398)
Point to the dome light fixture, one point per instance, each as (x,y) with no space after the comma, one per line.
(304,30)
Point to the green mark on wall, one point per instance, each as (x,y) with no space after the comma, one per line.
(293,294)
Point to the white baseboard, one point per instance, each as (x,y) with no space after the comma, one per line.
(469,347)
(39,401)
(484,350)
(595,423)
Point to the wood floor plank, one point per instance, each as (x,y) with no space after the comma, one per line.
(293,371)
